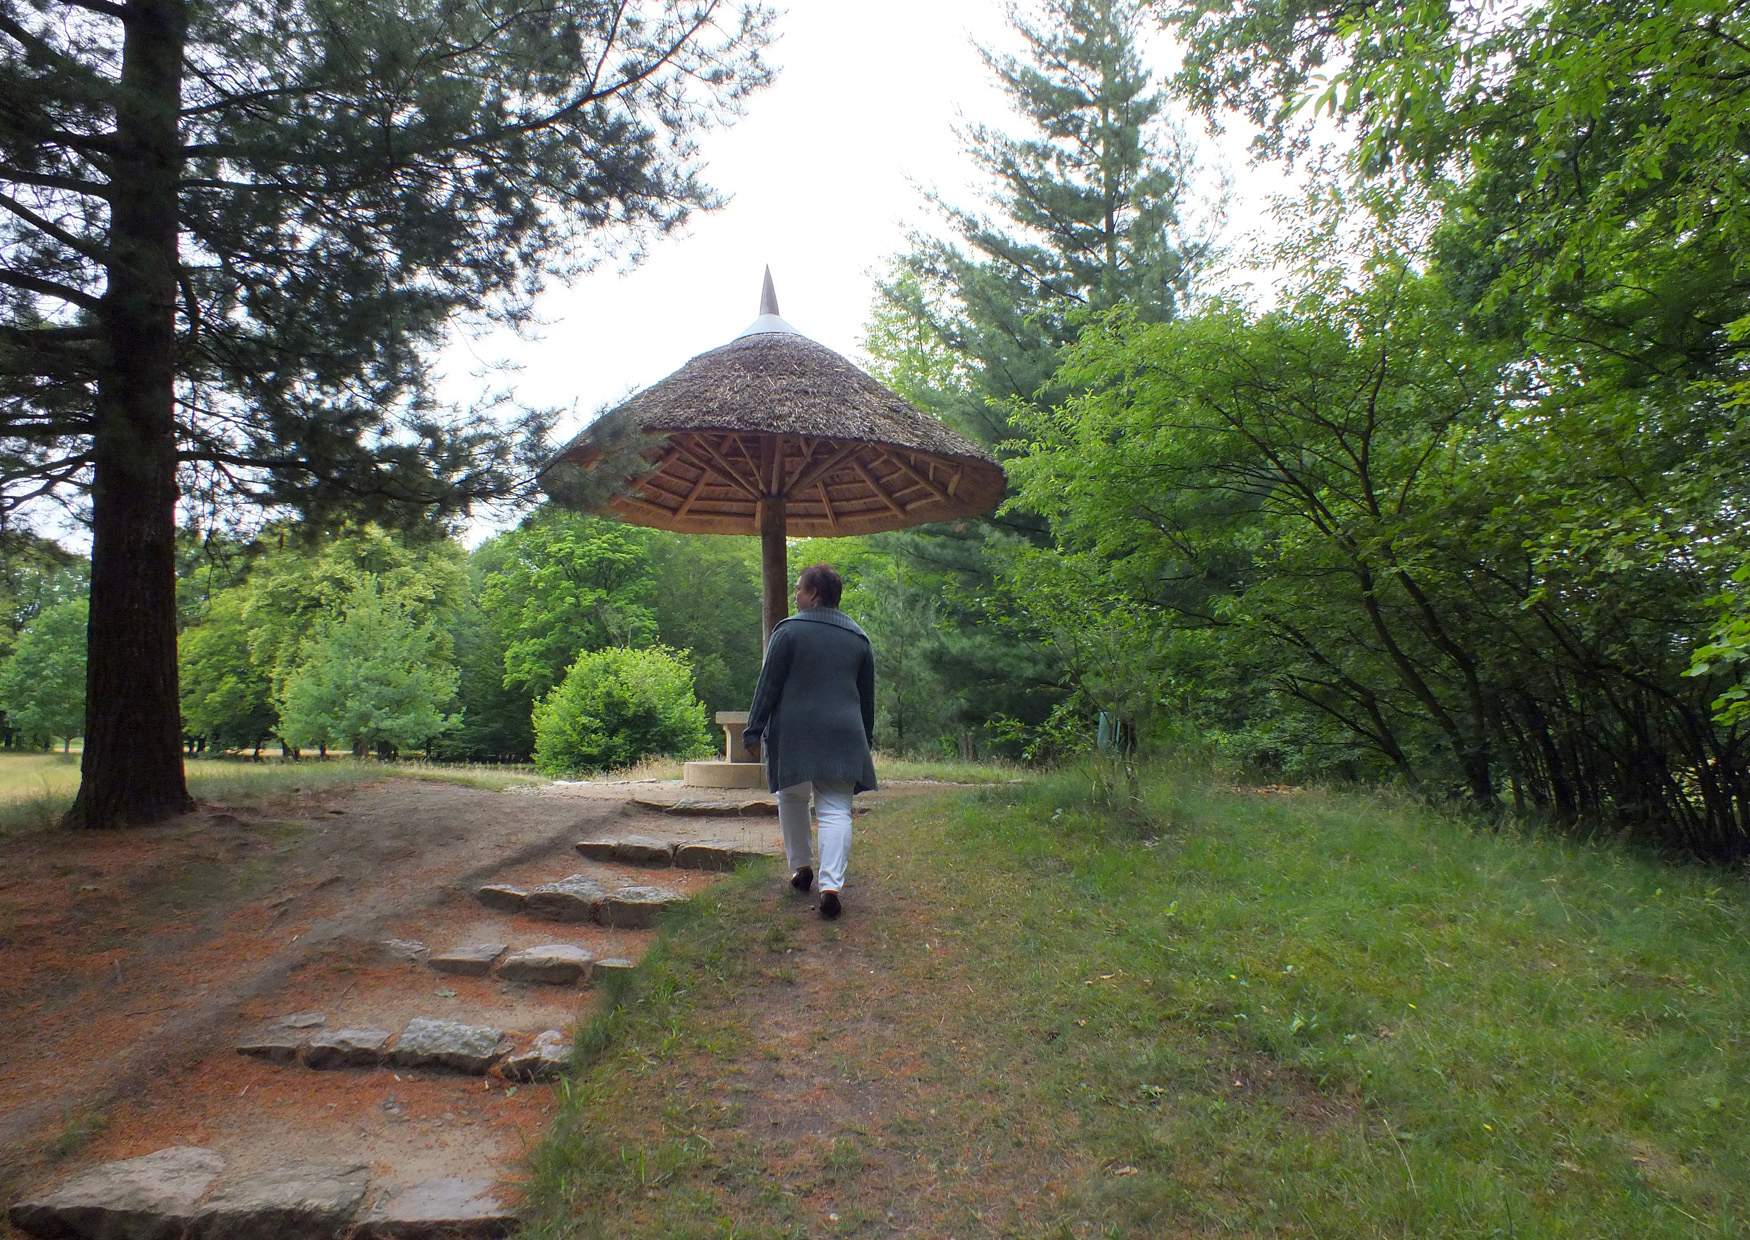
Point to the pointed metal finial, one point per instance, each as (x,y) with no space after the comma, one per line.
(769,319)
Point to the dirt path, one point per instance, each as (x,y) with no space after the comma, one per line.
(132,963)
(861,1077)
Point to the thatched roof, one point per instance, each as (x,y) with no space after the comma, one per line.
(772,413)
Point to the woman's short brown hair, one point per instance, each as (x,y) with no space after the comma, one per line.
(825,582)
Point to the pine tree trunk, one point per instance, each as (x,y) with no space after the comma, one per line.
(132,768)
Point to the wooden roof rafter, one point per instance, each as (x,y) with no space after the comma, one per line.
(936,491)
(833,460)
(864,473)
(718,465)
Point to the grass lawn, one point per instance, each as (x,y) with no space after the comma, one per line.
(35,788)
(1310,1013)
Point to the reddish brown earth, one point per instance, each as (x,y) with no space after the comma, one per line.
(132,961)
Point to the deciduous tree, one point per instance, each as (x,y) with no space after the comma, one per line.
(42,682)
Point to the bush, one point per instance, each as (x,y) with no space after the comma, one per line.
(617,706)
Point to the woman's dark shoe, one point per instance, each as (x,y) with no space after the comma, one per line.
(829,904)
(803,879)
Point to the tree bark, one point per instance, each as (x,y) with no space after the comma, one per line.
(132,768)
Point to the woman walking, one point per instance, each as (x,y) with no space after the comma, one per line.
(813,715)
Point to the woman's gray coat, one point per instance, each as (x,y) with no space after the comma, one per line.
(814,708)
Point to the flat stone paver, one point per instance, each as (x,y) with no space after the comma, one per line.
(346,1048)
(502,896)
(428,1043)
(629,850)
(405,949)
(570,899)
(710,807)
(557,964)
(635,908)
(714,855)
(470,960)
(284,1203)
(548,1056)
(148,1198)
(449,1206)
(301,1020)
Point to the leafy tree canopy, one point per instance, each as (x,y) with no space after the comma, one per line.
(42,682)
(370,677)
(561,583)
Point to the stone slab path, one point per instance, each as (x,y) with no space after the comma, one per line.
(354,1040)
(334,1016)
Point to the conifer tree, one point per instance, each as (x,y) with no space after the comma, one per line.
(1081,213)
(230,233)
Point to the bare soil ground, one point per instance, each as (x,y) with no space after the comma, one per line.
(131,962)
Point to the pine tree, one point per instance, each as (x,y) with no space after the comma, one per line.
(229,234)
(1082,214)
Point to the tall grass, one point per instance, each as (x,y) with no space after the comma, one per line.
(1372,1018)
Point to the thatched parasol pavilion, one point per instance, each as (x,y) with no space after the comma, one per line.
(775,435)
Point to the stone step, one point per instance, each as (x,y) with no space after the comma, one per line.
(185,1191)
(580,898)
(553,964)
(424,1042)
(688,805)
(721,855)
(710,807)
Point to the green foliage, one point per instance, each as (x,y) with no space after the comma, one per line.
(227,696)
(1729,651)
(902,615)
(296,584)
(1083,213)
(42,682)
(1600,146)
(35,574)
(1444,566)
(705,595)
(560,583)
(616,706)
(373,676)
(495,718)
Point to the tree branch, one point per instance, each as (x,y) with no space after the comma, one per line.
(49,180)
(80,245)
(98,6)
(50,288)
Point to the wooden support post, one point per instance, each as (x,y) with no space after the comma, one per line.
(774,568)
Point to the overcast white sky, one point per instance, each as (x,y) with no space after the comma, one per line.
(822,175)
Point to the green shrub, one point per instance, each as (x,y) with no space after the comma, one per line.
(616,706)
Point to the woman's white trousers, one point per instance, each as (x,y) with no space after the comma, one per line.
(832,806)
